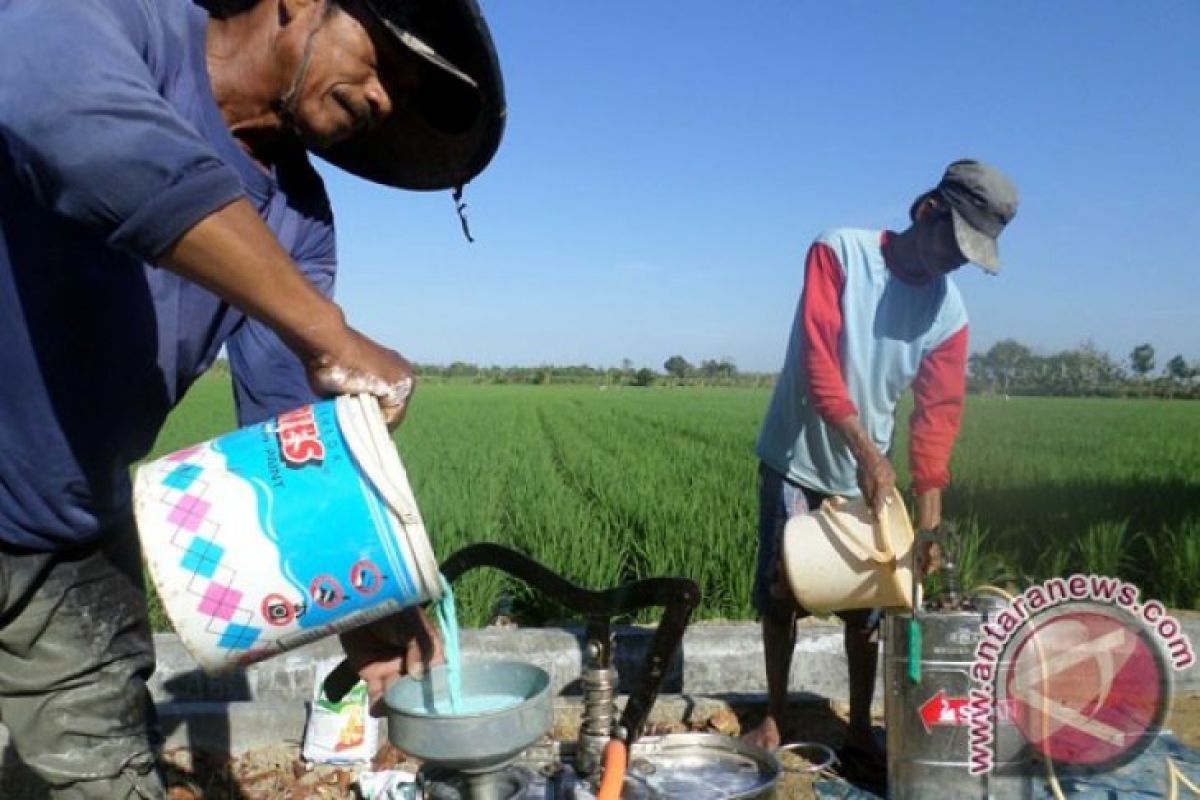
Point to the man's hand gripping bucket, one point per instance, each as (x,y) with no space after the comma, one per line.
(281,533)
(840,557)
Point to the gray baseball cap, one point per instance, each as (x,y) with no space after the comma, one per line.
(982,201)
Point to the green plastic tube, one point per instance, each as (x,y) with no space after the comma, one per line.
(914,650)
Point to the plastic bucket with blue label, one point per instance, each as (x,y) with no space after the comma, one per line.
(281,533)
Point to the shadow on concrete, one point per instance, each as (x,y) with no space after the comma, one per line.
(810,717)
(206,765)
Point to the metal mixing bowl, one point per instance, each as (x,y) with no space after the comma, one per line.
(471,742)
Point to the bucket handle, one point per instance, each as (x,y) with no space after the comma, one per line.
(859,548)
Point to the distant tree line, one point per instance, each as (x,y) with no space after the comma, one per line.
(1010,368)
(1007,367)
(676,371)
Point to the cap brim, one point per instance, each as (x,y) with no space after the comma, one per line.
(976,246)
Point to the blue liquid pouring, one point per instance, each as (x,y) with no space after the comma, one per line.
(447,617)
(453,703)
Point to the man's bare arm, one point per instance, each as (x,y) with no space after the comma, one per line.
(232,253)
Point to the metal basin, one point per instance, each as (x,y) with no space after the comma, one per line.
(471,742)
(702,766)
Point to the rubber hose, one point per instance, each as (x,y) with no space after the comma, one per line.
(615,759)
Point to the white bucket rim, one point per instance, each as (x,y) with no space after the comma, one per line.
(371,445)
(900,544)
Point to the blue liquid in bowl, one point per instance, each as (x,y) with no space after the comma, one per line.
(469,705)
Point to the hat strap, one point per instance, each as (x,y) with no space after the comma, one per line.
(461,208)
(288,101)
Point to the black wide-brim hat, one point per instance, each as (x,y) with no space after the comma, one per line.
(447,131)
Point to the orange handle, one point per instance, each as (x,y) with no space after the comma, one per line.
(615,759)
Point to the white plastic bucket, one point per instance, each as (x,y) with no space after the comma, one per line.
(839,558)
(281,533)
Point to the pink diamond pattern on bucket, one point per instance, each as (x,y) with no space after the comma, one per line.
(185,454)
(196,536)
(220,601)
(189,511)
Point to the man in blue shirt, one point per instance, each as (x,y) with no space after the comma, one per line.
(156,204)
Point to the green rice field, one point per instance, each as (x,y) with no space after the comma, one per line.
(611,484)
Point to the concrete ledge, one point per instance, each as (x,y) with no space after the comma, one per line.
(715,659)
(719,664)
(239,726)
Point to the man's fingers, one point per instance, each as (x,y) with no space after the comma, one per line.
(393,400)
(933,558)
(336,379)
(929,558)
(395,394)
(375,690)
(394,415)
(416,659)
(378,675)
(878,500)
(422,652)
(392,395)
(361,366)
(384,650)
(414,662)
(419,642)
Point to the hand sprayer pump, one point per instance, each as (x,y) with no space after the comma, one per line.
(677,596)
(600,730)
(600,682)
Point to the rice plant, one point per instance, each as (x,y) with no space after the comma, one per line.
(1175,556)
(1057,561)
(1104,548)
(967,546)
(610,486)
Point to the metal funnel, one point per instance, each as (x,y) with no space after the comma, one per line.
(471,742)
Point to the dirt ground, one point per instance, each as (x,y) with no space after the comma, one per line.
(277,773)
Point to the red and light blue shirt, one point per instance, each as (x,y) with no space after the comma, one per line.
(860,338)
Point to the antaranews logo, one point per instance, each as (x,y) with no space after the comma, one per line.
(1080,667)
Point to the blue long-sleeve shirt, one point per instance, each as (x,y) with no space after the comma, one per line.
(111,147)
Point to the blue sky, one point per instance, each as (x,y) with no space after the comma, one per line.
(666,165)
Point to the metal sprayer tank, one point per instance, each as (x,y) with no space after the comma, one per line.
(927,709)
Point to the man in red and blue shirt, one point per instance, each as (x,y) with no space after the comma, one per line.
(878,314)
